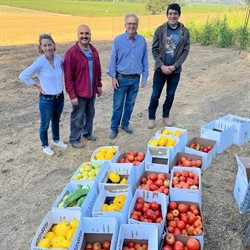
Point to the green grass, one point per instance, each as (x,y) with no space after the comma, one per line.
(87,8)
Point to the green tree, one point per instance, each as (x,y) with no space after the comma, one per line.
(157,6)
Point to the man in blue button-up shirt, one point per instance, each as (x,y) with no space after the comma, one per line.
(128,67)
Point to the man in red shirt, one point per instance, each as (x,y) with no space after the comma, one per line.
(82,74)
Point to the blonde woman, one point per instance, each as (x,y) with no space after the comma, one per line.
(49,70)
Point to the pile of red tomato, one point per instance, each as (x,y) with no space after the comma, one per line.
(146,211)
(171,243)
(184,219)
(132,245)
(185,179)
(98,245)
(133,157)
(188,162)
(199,147)
(155,182)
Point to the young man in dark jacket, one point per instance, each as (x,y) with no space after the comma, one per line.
(170,48)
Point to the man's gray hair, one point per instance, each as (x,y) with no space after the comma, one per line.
(131,15)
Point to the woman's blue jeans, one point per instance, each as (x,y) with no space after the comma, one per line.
(124,101)
(50,110)
(158,84)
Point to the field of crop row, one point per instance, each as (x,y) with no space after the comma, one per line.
(87,8)
(21,26)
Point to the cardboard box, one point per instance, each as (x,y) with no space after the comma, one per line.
(139,169)
(172,150)
(199,237)
(54,217)
(220,131)
(206,157)
(139,234)
(114,159)
(150,197)
(112,191)
(146,174)
(125,170)
(186,155)
(241,130)
(178,194)
(182,238)
(98,230)
(88,203)
(102,167)
(183,137)
(242,184)
(157,159)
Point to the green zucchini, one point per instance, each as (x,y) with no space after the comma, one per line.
(80,201)
(75,196)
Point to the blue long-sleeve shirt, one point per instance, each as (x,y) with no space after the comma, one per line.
(50,78)
(129,57)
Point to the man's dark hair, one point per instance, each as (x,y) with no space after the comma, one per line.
(174,6)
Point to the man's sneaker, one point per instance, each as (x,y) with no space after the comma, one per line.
(47,150)
(77,144)
(60,144)
(113,134)
(151,124)
(128,130)
(90,137)
(167,122)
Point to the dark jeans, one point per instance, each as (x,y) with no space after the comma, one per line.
(158,84)
(50,110)
(81,119)
(124,101)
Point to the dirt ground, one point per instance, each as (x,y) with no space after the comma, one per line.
(214,82)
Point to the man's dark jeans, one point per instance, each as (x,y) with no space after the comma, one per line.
(159,80)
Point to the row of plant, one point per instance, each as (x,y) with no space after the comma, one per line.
(217,31)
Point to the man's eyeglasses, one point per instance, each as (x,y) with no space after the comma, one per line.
(131,24)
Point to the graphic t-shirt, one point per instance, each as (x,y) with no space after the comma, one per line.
(172,40)
(88,54)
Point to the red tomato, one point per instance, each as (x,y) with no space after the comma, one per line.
(172,205)
(106,245)
(181,224)
(183,159)
(138,207)
(191,218)
(154,205)
(130,157)
(198,163)
(177,231)
(178,245)
(152,177)
(153,187)
(198,223)
(133,152)
(170,239)
(197,231)
(158,219)
(192,207)
(150,214)
(131,244)
(157,213)
(192,244)
(140,158)
(161,176)
(170,216)
(172,223)
(182,208)
(139,200)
